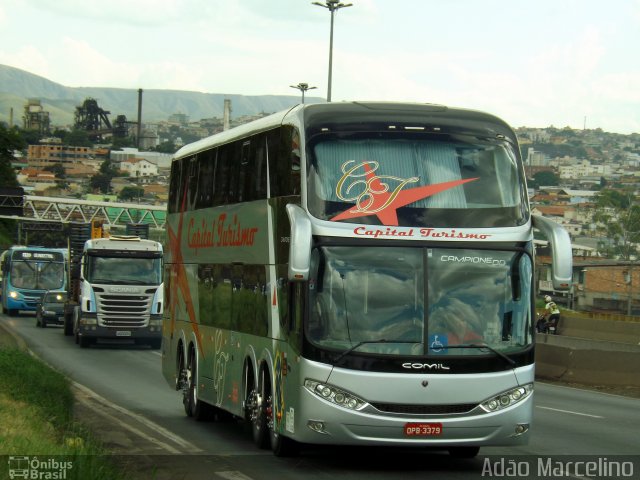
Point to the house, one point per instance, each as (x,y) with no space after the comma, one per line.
(139,167)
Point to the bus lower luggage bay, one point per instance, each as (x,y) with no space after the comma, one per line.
(30,272)
(357,274)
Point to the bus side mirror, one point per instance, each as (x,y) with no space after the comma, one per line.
(562,256)
(300,244)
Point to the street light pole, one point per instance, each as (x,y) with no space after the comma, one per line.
(332,6)
(303,87)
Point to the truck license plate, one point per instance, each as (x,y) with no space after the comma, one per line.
(123,333)
(423,429)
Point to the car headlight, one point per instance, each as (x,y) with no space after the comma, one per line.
(507,398)
(334,395)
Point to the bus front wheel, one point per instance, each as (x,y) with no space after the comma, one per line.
(464,452)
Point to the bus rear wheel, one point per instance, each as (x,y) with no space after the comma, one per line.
(257,415)
(193,407)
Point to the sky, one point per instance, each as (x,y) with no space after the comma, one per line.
(534,63)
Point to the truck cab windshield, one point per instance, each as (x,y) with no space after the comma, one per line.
(123,270)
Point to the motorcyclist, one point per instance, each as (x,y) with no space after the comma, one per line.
(550,316)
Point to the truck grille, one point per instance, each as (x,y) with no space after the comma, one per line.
(122,310)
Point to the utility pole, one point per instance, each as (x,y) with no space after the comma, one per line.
(332,6)
(303,87)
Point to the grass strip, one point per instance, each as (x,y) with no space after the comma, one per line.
(37,427)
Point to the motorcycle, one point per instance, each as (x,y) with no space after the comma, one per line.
(545,326)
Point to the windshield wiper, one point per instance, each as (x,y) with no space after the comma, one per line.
(484,345)
(365,342)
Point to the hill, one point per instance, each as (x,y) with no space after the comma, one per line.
(17,86)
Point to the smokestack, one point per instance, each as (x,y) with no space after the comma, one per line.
(226,119)
(139,118)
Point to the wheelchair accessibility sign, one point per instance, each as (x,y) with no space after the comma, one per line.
(438,343)
(37,468)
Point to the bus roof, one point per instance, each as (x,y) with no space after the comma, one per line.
(436,117)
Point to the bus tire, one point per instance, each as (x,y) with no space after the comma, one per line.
(464,452)
(192,406)
(13,312)
(258,416)
(284,446)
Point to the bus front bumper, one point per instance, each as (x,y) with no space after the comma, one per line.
(327,424)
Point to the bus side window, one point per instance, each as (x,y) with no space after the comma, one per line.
(176,185)
(193,182)
(259,170)
(222,173)
(206,169)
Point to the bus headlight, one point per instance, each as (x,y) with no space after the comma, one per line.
(334,395)
(507,398)
(13,294)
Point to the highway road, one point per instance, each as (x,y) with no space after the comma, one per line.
(124,384)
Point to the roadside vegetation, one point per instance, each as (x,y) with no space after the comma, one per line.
(36,421)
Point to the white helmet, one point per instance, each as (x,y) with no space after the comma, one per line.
(547,298)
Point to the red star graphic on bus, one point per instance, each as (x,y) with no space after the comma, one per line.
(379,197)
(179,280)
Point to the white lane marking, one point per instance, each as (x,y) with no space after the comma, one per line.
(191,448)
(233,475)
(102,410)
(569,411)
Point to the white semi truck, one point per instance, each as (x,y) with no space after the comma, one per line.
(117,292)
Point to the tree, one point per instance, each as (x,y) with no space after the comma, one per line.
(57,169)
(548,179)
(101,182)
(10,140)
(166,147)
(618,217)
(131,193)
(77,138)
(119,143)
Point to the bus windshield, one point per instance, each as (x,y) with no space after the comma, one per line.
(415,180)
(123,270)
(37,275)
(368,294)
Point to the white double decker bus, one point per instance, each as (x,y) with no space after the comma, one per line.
(357,274)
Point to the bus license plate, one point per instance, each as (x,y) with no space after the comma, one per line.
(123,333)
(423,429)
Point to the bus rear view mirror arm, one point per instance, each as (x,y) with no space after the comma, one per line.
(560,250)
(300,244)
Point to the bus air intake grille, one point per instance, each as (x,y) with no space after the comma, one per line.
(425,409)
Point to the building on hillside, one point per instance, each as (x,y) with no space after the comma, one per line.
(35,117)
(162,160)
(139,168)
(47,155)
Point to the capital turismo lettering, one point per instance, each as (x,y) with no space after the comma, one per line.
(383,232)
(220,233)
(433,233)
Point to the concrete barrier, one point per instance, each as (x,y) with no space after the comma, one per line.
(611,330)
(587,361)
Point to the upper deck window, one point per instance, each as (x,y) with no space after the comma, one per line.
(415,179)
